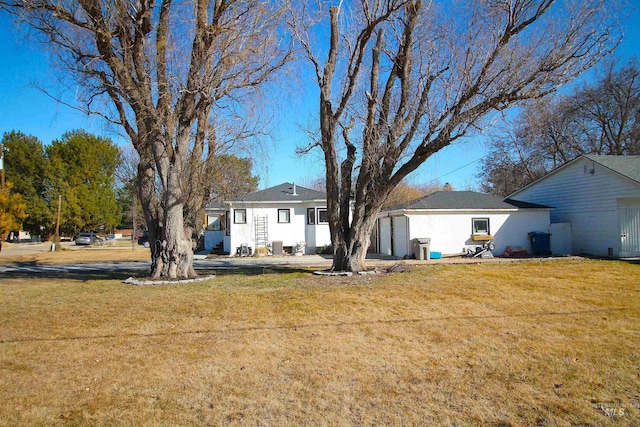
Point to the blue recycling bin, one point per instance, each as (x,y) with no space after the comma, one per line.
(540,243)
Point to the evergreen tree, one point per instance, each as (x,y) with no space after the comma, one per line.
(81,168)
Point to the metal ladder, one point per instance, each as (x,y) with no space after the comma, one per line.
(262,232)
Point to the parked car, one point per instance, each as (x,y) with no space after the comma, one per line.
(88,239)
(144,240)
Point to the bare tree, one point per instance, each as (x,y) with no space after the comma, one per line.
(597,118)
(606,111)
(170,73)
(399,80)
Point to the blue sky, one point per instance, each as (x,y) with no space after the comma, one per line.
(24,65)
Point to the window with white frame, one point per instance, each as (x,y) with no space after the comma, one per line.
(480,226)
(240,216)
(284,216)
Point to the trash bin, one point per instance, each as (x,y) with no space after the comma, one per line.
(277,248)
(540,243)
(421,247)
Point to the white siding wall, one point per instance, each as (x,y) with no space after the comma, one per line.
(587,201)
(323,237)
(289,233)
(451,232)
(319,234)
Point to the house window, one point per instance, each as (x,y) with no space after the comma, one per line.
(240,216)
(323,216)
(284,216)
(480,226)
(311,216)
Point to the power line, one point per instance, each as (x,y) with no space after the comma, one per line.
(456,170)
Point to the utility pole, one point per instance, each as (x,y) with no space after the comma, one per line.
(56,239)
(2,164)
(133,224)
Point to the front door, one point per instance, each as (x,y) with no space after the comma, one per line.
(629,231)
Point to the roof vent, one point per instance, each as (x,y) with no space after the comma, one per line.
(294,190)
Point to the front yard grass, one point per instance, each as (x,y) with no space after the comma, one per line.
(548,344)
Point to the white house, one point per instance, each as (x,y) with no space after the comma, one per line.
(286,216)
(598,199)
(459,220)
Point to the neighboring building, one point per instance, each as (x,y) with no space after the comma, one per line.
(598,199)
(289,215)
(459,220)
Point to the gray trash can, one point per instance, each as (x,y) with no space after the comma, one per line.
(277,248)
(422,248)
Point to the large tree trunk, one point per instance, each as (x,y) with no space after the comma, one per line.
(173,254)
(151,210)
(350,253)
(352,241)
(169,236)
(176,252)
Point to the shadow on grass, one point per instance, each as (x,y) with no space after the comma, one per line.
(35,270)
(631,260)
(82,276)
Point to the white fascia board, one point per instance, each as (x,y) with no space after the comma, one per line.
(400,212)
(386,214)
(279,202)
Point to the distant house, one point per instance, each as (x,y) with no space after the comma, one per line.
(286,216)
(459,220)
(597,199)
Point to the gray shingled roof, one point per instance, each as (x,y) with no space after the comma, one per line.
(282,193)
(215,205)
(463,200)
(628,166)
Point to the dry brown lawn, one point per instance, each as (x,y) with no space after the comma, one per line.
(85,254)
(536,344)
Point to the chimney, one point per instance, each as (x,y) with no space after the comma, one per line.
(294,190)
